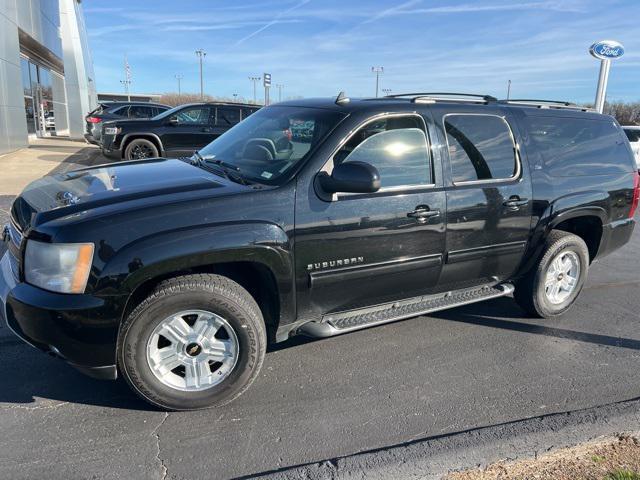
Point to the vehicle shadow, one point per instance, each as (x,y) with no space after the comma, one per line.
(85,157)
(500,313)
(27,376)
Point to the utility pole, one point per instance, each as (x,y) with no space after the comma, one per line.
(255,81)
(377,71)
(235,97)
(279,86)
(179,77)
(508,89)
(386,91)
(201,54)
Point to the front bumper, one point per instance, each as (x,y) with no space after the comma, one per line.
(81,329)
(111,146)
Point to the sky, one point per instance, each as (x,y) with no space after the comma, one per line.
(320,47)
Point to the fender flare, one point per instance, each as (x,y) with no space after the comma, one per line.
(583,204)
(141,134)
(168,252)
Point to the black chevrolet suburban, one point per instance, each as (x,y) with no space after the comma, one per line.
(172,133)
(314,217)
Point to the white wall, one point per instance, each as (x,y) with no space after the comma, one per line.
(78,67)
(13,124)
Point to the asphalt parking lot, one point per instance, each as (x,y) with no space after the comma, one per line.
(431,376)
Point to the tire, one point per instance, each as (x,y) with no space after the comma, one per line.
(212,295)
(140,149)
(537,298)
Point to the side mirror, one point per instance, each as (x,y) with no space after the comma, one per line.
(351,177)
(174,121)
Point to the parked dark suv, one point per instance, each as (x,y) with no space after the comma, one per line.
(116,110)
(176,273)
(176,132)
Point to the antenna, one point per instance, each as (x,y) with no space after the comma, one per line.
(342,99)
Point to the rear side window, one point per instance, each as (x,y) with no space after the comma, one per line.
(227,116)
(574,147)
(122,111)
(140,111)
(480,148)
(396,146)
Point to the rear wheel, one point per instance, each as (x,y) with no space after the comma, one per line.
(139,149)
(197,341)
(552,287)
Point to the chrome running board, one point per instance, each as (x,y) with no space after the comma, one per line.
(343,322)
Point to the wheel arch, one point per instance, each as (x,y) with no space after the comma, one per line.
(575,213)
(256,256)
(152,137)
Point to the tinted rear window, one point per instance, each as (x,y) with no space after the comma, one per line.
(633,135)
(480,147)
(575,147)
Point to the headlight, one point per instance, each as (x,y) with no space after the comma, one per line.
(112,130)
(58,267)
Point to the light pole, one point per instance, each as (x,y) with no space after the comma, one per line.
(386,91)
(279,86)
(255,81)
(126,84)
(235,97)
(178,78)
(377,71)
(508,89)
(201,54)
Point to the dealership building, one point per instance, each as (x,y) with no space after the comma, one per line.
(46,73)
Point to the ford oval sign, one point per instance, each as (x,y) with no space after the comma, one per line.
(607,50)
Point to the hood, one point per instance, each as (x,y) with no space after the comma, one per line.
(58,195)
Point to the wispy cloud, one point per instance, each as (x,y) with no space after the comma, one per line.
(274,21)
(398,9)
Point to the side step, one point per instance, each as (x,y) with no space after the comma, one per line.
(342,322)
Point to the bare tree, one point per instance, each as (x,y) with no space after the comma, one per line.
(174,99)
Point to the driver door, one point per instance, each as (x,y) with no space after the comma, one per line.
(355,250)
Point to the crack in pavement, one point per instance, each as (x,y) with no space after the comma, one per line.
(156,434)
(35,407)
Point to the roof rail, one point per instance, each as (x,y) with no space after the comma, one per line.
(431,97)
(547,104)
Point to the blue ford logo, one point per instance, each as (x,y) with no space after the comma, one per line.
(607,50)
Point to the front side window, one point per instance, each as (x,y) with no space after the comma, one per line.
(396,146)
(263,147)
(480,148)
(193,116)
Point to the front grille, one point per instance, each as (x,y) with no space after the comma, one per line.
(15,242)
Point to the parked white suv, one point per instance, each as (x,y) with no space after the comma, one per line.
(633,134)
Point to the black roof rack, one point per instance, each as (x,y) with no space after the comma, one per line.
(546,104)
(430,97)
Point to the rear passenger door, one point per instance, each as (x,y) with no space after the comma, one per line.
(191,130)
(489,196)
(225,118)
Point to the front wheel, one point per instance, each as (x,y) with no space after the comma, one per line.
(197,341)
(553,285)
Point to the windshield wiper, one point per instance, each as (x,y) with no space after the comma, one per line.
(229,171)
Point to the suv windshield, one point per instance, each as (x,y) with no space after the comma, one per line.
(272,141)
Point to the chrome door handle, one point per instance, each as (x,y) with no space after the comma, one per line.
(423,213)
(514,203)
